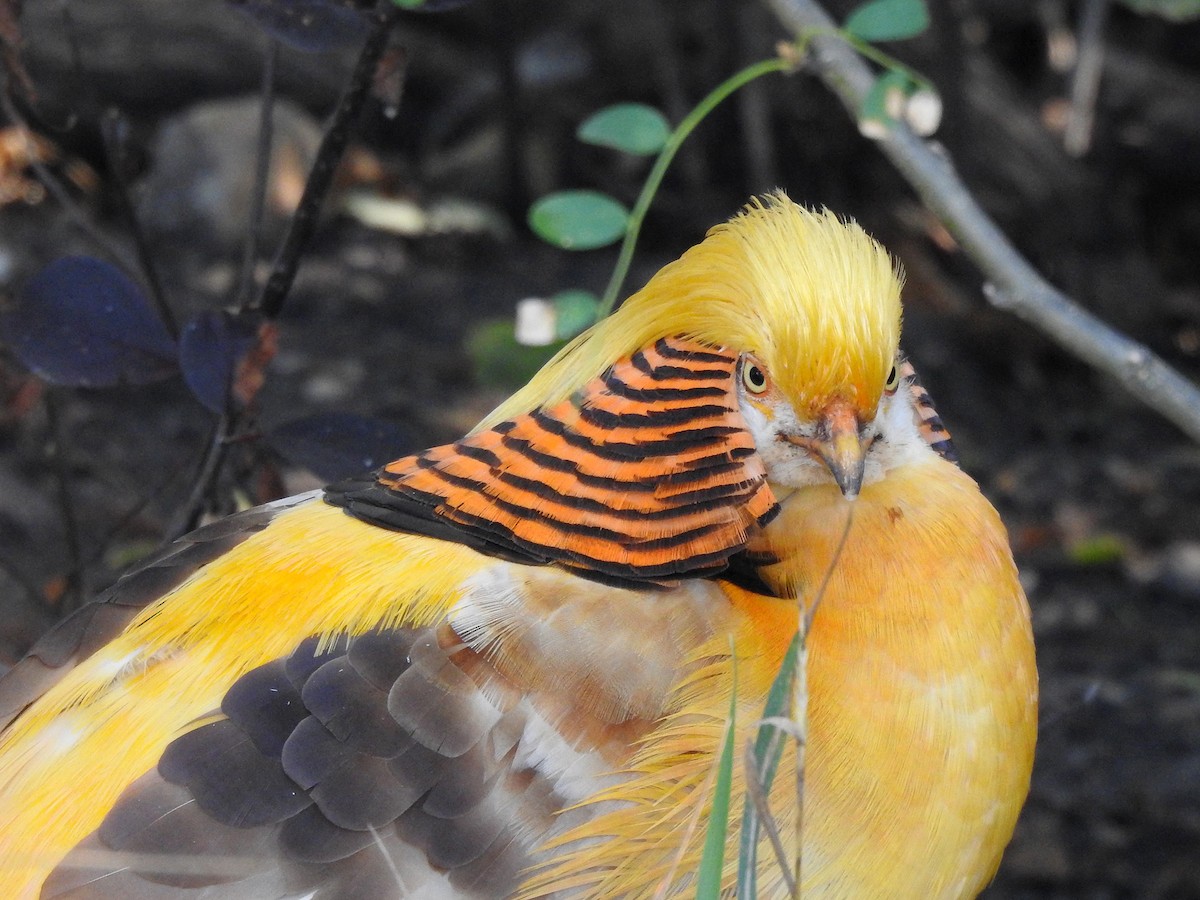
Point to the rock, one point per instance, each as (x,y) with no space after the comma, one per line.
(202,175)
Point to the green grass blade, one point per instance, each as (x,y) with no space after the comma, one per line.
(712,861)
(767,753)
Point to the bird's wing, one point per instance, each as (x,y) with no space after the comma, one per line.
(347,770)
(646,476)
(287,574)
(93,625)
(404,762)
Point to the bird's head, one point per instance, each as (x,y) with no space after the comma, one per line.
(811,305)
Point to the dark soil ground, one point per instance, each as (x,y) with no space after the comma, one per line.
(1100,494)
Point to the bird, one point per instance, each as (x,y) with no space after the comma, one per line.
(505,666)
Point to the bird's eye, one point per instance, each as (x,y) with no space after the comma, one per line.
(893,381)
(754,378)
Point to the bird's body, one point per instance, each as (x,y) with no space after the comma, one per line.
(508,670)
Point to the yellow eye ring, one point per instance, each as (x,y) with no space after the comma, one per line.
(893,381)
(754,378)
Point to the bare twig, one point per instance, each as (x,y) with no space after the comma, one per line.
(114,129)
(114,134)
(76,585)
(16,77)
(1085,83)
(304,222)
(262,172)
(210,466)
(127,517)
(74,210)
(300,231)
(1015,284)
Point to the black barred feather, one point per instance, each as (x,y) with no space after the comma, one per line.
(928,421)
(646,475)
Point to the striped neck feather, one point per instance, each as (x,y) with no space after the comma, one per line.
(647,474)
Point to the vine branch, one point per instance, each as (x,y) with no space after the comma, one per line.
(1014,284)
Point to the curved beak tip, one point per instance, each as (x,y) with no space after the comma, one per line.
(839,446)
(843,451)
(847,471)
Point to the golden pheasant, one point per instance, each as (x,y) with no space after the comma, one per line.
(502,667)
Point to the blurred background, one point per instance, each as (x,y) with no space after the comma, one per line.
(397,333)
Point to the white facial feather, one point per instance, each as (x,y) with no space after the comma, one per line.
(898,440)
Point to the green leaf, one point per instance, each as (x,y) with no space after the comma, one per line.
(1175,10)
(884,103)
(574,311)
(409,4)
(888,20)
(633,127)
(578,220)
(767,753)
(712,860)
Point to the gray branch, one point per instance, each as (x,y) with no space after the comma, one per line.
(1014,284)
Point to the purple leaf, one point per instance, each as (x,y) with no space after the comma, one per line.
(431,6)
(82,322)
(210,348)
(313,26)
(338,445)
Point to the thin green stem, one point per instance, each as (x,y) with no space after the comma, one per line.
(654,179)
(800,696)
(873,53)
(781,63)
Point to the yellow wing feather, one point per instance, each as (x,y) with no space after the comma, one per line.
(313,570)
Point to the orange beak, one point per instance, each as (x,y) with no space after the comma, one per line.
(839,446)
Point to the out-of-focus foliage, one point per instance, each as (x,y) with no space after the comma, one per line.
(314,26)
(631,127)
(211,345)
(1176,10)
(337,445)
(888,20)
(578,220)
(82,322)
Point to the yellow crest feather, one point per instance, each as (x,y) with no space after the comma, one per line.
(815,298)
